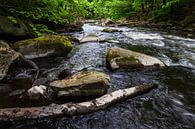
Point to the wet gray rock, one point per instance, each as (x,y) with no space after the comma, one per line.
(19,30)
(52,45)
(7,58)
(89,38)
(80,84)
(85,83)
(123,58)
(110,30)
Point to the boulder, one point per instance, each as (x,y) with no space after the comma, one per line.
(19,29)
(7,57)
(110,30)
(85,83)
(122,58)
(51,45)
(89,38)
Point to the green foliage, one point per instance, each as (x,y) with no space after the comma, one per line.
(39,29)
(111,8)
(59,12)
(65,12)
(85,8)
(152,9)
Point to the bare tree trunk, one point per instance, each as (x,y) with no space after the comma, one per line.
(143,9)
(70,109)
(164,2)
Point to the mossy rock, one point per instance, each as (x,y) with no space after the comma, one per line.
(128,62)
(51,45)
(7,58)
(17,29)
(85,83)
(122,58)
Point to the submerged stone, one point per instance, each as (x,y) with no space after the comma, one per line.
(122,58)
(89,38)
(85,83)
(110,30)
(52,45)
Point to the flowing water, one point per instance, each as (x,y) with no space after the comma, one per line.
(171,105)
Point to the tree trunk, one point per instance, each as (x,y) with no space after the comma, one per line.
(143,9)
(164,2)
(70,109)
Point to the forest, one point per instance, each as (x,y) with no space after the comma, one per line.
(45,14)
(97,64)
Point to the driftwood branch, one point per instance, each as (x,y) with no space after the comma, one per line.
(70,109)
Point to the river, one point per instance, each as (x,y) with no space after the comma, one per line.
(171,105)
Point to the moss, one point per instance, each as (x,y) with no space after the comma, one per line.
(128,61)
(61,45)
(55,38)
(114,54)
(122,59)
(111,55)
(51,39)
(45,42)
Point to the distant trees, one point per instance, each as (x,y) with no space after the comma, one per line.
(152,9)
(68,11)
(43,15)
(49,13)
(57,11)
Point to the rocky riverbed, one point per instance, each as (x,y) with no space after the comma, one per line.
(172,69)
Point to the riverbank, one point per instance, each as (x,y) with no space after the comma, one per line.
(171,27)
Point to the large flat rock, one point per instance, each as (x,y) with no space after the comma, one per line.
(85,83)
(52,45)
(123,58)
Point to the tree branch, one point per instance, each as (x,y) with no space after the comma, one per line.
(70,109)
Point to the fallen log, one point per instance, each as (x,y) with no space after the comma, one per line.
(70,109)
